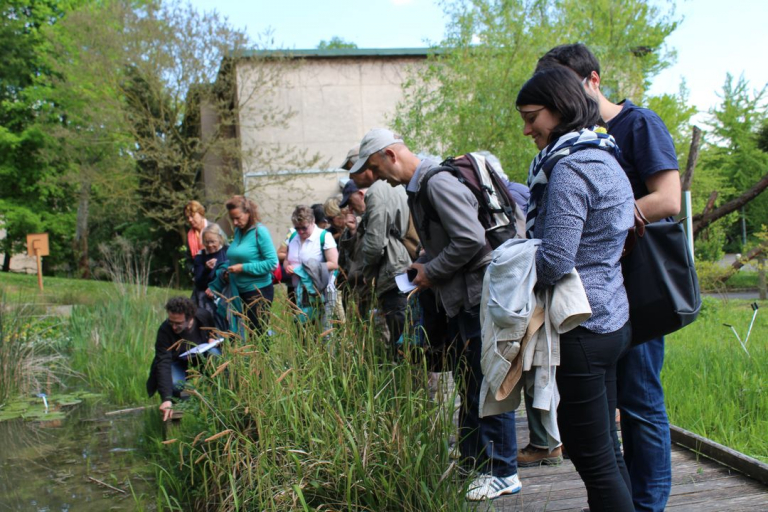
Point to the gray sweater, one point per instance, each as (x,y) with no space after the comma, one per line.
(586,211)
(456,260)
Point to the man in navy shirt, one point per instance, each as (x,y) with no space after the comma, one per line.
(649,159)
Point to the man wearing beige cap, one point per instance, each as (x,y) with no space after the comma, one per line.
(382,227)
(453,267)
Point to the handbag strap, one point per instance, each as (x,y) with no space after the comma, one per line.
(638,230)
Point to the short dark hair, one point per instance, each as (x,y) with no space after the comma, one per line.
(183,305)
(562,93)
(577,57)
(319,212)
(245,205)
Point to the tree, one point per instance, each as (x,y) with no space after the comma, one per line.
(31,197)
(734,161)
(132,80)
(86,51)
(335,43)
(463,98)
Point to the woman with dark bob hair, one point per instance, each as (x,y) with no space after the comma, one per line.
(251,260)
(581,207)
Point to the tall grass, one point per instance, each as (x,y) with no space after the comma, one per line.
(28,361)
(712,387)
(113,343)
(320,422)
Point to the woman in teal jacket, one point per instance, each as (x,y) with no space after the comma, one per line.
(251,261)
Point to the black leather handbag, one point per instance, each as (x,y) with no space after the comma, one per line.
(660,278)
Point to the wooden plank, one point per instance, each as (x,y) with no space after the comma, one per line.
(751,502)
(753,468)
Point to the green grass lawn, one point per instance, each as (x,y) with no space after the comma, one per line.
(712,386)
(61,290)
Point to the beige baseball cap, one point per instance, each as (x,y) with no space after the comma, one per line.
(375,140)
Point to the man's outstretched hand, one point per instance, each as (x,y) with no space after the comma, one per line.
(167,409)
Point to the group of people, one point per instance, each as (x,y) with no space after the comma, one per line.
(597,162)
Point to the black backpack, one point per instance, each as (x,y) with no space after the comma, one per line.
(497,211)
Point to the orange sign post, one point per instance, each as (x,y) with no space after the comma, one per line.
(37,246)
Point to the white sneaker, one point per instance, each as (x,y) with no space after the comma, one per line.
(488,487)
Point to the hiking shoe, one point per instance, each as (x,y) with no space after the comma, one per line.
(530,456)
(488,487)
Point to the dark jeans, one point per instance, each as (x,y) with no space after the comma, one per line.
(180,366)
(392,303)
(256,306)
(586,380)
(489,443)
(644,425)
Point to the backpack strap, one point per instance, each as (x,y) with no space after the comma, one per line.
(430,214)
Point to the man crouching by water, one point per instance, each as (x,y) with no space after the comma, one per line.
(186,327)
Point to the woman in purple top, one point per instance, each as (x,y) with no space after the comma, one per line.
(581,207)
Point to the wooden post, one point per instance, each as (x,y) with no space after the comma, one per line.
(39,269)
(37,246)
(761,288)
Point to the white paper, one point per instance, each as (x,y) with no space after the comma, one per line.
(404,284)
(204,347)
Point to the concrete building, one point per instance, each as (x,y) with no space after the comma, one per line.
(335,97)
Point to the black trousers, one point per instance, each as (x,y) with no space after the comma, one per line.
(586,379)
(257,306)
(392,303)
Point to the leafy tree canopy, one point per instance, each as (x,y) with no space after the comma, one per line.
(335,43)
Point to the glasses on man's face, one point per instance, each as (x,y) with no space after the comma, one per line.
(302,228)
(182,323)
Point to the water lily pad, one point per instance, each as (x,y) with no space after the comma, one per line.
(10,415)
(39,414)
(66,400)
(33,408)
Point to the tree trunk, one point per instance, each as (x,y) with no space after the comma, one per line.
(7,261)
(81,231)
(702,220)
(693,157)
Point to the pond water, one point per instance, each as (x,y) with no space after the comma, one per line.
(51,466)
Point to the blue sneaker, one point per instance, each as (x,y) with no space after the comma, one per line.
(488,487)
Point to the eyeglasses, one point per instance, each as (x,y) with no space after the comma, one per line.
(584,81)
(525,114)
(178,324)
(301,228)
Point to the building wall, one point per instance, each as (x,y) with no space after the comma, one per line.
(335,102)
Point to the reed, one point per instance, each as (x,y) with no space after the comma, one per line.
(29,361)
(712,386)
(323,421)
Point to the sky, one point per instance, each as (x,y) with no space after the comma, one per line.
(714,38)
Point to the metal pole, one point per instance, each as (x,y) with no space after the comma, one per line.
(689,220)
(743,228)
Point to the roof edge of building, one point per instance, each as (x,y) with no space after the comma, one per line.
(342,53)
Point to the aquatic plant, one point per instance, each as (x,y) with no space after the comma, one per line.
(29,364)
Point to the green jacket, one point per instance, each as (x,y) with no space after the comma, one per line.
(381,230)
(254,250)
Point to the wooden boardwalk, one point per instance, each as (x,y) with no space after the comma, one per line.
(698,485)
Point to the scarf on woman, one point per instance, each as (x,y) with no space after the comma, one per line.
(541,166)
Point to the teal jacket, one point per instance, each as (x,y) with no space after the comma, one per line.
(254,250)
